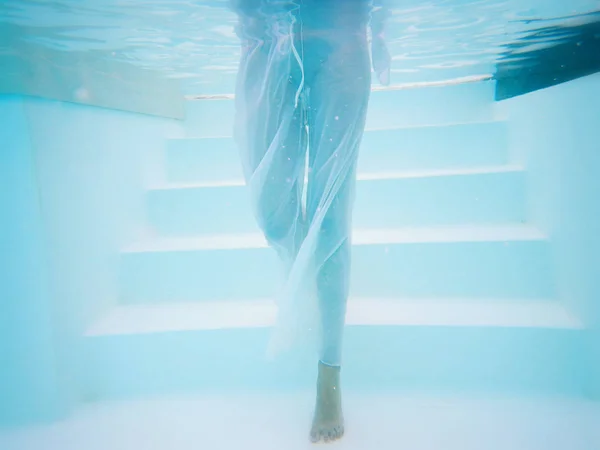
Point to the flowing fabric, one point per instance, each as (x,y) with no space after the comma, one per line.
(301,101)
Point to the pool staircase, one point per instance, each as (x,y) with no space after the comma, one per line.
(452,287)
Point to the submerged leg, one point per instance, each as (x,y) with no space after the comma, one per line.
(271,135)
(339,98)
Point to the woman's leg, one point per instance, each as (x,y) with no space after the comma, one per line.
(339,97)
(338,102)
(270,131)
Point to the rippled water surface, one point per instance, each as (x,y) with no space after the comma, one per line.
(193,41)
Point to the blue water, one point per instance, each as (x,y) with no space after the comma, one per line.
(136,287)
(193,42)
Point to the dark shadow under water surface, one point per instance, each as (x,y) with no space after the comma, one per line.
(549,56)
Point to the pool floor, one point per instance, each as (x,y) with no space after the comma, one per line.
(281,421)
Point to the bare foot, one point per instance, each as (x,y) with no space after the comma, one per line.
(328,422)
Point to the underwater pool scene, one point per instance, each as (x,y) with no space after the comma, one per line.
(266,224)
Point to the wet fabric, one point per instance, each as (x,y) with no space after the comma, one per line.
(301,101)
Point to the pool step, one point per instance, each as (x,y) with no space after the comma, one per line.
(458,261)
(411,106)
(478,195)
(429,148)
(400,343)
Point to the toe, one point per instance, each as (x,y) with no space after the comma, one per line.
(314,435)
(332,434)
(338,432)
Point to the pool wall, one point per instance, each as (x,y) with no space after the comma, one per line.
(555,134)
(73,181)
(29,382)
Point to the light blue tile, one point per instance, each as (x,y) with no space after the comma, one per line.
(459,198)
(427,106)
(521,360)
(487,269)
(438,147)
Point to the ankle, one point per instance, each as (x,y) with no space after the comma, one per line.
(329,376)
(326,366)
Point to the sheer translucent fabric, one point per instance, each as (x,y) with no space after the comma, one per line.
(301,101)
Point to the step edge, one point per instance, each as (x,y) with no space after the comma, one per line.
(484,121)
(377,312)
(470,79)
(362,177)
(380,236)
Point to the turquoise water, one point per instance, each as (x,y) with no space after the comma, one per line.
(136,288)
(193,43)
